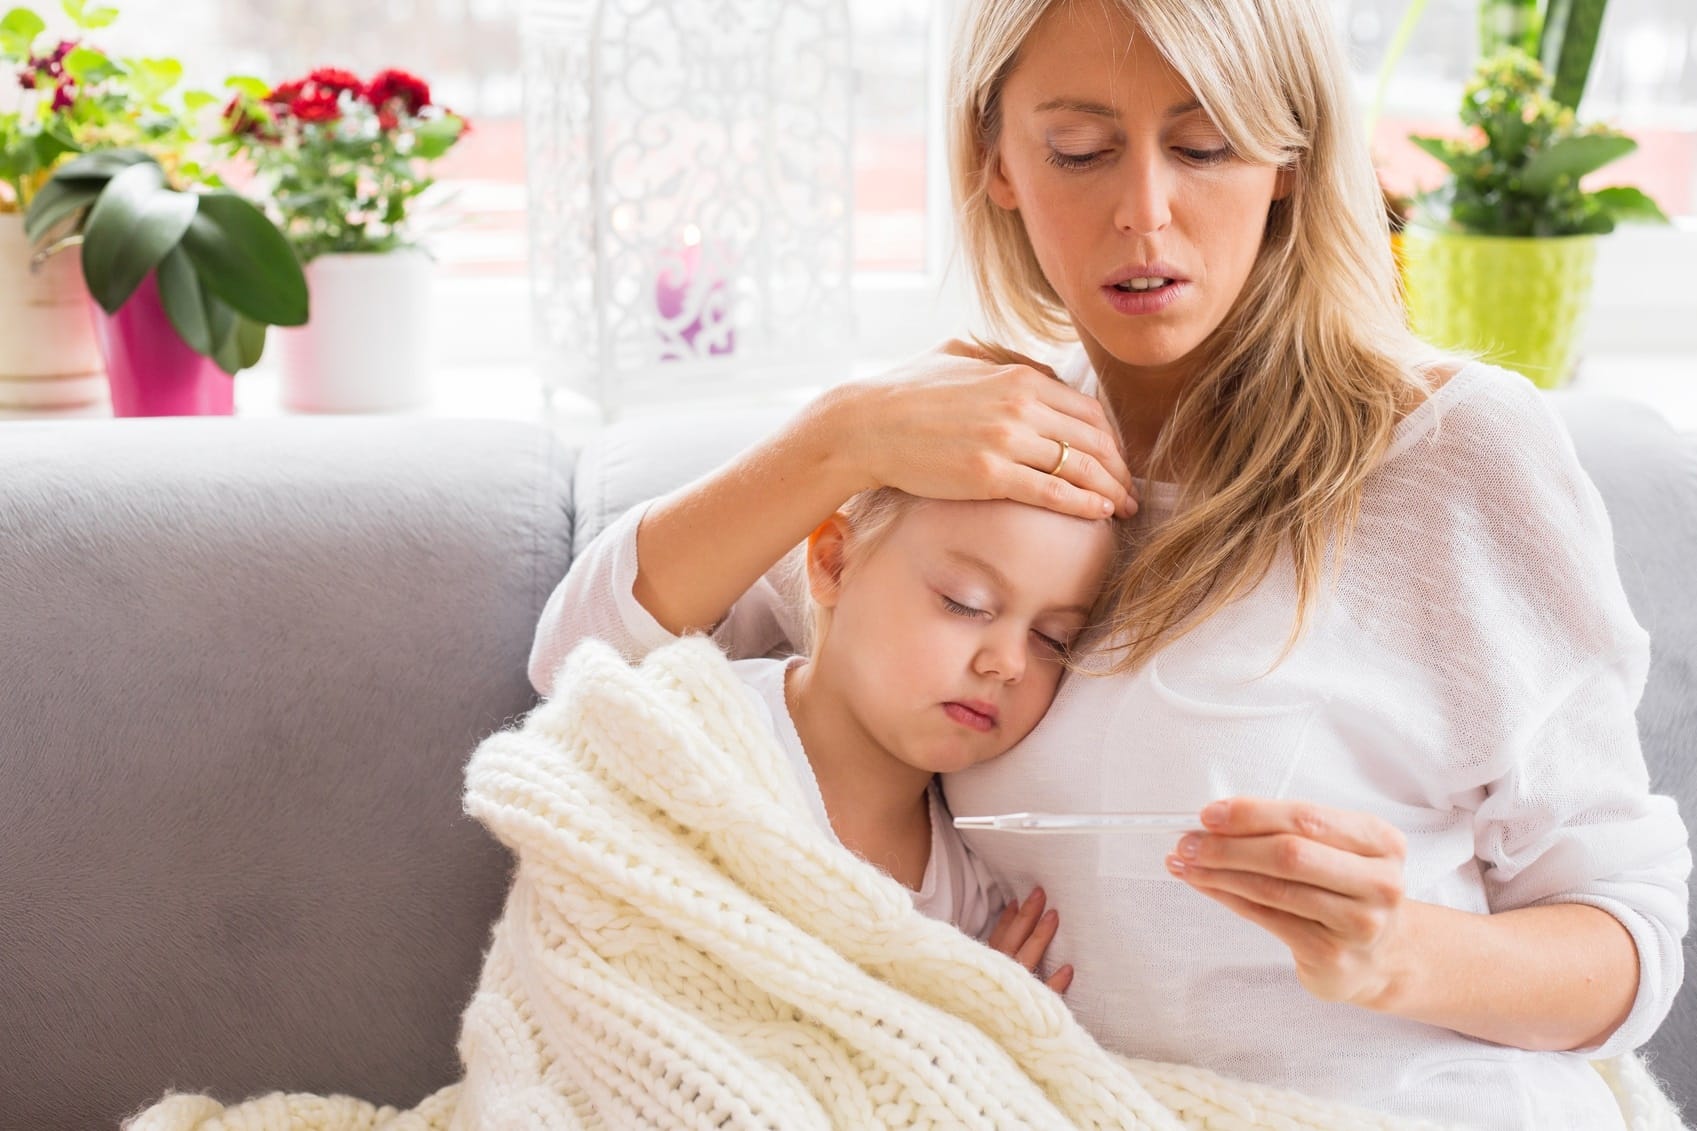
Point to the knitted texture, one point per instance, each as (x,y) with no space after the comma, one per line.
(683,947)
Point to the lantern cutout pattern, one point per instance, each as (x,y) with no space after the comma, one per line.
(691,196)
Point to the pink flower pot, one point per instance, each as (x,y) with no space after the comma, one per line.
(152,373)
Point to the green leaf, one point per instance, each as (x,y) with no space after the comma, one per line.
(1573,157)
(244,260)
(184,301)
(150,79)
(102,165)
(240,346)
(248,85)
(57,201)
(194,101)
(1630,206)
(18,31)
(1439,147)
(134,224)
(434,138)
(87,18)
(1571,31)
(250,338)
(50,145)
(89,66)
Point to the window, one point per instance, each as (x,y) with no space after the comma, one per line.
(1645,80)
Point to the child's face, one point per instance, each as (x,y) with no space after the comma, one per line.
(946,638)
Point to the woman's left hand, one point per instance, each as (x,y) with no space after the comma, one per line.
(1327,882)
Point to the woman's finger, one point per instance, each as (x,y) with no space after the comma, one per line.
(1361,833)
(1286,856)
(1086,454)
(1024,484)
(1336,913)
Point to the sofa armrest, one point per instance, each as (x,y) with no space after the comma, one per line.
(244,663)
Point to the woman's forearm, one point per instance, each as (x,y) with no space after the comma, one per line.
(1555,977)
(701,548)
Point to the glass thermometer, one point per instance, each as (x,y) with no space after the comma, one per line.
(1083,822)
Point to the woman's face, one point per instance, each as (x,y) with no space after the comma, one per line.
(1143,219)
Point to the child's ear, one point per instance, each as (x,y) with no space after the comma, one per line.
(825,559)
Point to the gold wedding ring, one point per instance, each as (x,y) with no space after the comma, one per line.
(1066,450)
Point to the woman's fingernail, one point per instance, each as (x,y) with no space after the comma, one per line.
(1175,865)
(1189,847)
(1214,813)
(1107,507)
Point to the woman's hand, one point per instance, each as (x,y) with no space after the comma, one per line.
(1024,931)
(960,423)
(1327,882)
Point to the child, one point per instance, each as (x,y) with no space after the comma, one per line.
(940,633)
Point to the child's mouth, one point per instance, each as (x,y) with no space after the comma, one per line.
(979,716)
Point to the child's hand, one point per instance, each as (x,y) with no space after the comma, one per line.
(1024,931)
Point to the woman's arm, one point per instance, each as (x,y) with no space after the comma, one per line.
(1328,883)
(947,425)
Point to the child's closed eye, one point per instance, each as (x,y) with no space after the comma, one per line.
(961,610)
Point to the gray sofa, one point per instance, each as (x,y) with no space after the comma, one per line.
(243,662)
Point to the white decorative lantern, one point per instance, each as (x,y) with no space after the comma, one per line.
(690,175)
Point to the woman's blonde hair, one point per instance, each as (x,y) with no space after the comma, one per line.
(1298,391)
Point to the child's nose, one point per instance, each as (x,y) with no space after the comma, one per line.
(1002,656)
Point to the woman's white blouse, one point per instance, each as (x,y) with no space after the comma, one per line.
(1470,676)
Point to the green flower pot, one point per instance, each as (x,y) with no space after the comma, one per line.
(1515,301)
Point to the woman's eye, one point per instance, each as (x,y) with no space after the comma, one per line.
(1204,156)
(1074,160)
(961,610)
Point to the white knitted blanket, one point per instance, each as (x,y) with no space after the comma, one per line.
(683,947)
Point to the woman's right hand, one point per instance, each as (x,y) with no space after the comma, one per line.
(958,422)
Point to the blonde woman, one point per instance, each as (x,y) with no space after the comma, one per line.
(1373,631)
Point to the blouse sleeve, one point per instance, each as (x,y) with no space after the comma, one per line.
(597,598)
(1556,662)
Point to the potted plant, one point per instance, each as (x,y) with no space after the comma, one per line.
(69,97)
(187,278)
(343,162)
(1499,257)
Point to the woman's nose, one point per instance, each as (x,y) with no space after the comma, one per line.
(1144,206)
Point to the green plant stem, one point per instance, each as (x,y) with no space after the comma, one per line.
(1393,55)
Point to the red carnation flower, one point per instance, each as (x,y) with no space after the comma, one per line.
(285,94)
(393,87)
(317,106)
(387,119)
(336,79)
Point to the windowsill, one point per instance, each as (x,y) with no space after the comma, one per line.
(1666,382)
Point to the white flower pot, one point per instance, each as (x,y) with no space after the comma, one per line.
(49,360)
(366,346)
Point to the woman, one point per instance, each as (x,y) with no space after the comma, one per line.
(1374,616)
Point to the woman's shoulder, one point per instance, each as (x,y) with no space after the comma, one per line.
(1476,417)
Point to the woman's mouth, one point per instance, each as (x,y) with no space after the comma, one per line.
(1144,295)
(980,717)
